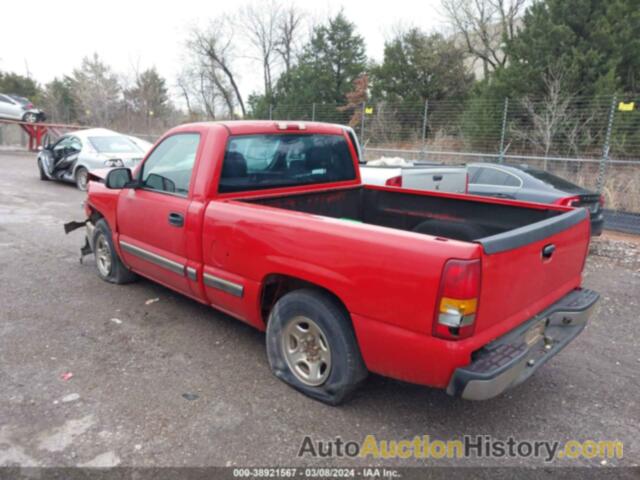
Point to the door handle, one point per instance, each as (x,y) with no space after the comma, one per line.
(176,219)
(548,250)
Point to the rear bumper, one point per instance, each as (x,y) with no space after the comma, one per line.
(514,357)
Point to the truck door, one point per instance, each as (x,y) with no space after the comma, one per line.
(153,218)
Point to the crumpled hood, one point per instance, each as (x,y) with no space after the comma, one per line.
(129,159)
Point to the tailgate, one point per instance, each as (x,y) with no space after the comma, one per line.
(527,269)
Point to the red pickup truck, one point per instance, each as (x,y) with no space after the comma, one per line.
(270,223)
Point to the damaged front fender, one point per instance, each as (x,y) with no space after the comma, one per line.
(87,248)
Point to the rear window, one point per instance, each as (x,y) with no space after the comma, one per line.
(114,144)
(254,162)
(551,179)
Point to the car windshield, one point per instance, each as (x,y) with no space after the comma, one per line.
(19,99)
(551,179)
(254,162)
(114,144)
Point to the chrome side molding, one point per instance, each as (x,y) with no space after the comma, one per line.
(224,285)
(159,260)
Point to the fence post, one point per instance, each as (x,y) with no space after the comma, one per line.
(364,108)
(504,129)
(604,161)
(313,112)
(424,126)
(270,112)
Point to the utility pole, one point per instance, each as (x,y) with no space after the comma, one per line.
(424,127)
(604,160)
(504,129)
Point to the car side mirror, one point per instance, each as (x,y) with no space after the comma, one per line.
(118,178)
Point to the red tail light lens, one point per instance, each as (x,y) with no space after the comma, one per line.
(568,201)
(457,301)
(394,181)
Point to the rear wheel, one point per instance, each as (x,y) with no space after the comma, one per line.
(109,266)
(30,117)
(82,178)
(312,347)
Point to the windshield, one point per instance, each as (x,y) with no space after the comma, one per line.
(253,162)
(114,144)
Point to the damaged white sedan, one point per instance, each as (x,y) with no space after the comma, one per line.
(73,155)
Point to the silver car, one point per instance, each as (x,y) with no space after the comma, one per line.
(71,157)
(15,107)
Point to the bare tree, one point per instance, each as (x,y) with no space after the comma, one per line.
(484,26)
(289,27)
(547,117)
(214,55)
(262,24)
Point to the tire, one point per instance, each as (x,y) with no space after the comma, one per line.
(30,117)
(82,178)
(43,176)
(108,265)
(328,322)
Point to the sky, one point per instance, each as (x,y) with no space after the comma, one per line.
(46,39)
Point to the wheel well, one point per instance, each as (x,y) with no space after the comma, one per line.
(95,215)
(275,286)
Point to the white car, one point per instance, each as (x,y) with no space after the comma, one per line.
(15,107)
(396,172)
(73,155)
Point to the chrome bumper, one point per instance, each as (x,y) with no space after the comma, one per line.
(511,359)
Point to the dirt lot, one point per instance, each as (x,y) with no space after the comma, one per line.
(175,383)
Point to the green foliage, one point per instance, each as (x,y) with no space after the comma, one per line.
(59,102)
(593,45)
(481,121)
(149,95)
(417,67)
(13,83)
(329,64)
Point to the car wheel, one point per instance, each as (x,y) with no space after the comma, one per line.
(108,264)
(43,176)
(312,347)
(30,117)
(82,178)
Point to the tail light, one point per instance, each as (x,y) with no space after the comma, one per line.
(394,181)
(457,301)
(601,201)
(568,201)
(29,106)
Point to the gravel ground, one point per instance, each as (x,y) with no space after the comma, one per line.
(174,383)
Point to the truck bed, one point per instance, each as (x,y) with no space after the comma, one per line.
(459,218)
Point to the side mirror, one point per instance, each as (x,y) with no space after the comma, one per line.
(118,178)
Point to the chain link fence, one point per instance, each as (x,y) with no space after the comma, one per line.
(594,142)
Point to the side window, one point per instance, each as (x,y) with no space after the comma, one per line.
(169,167)
(493,176)
(75,143)
(61,144)
(4,99)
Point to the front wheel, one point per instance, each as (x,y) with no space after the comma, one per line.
(312,347)
(43,175)
(109,266)
(82,178)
